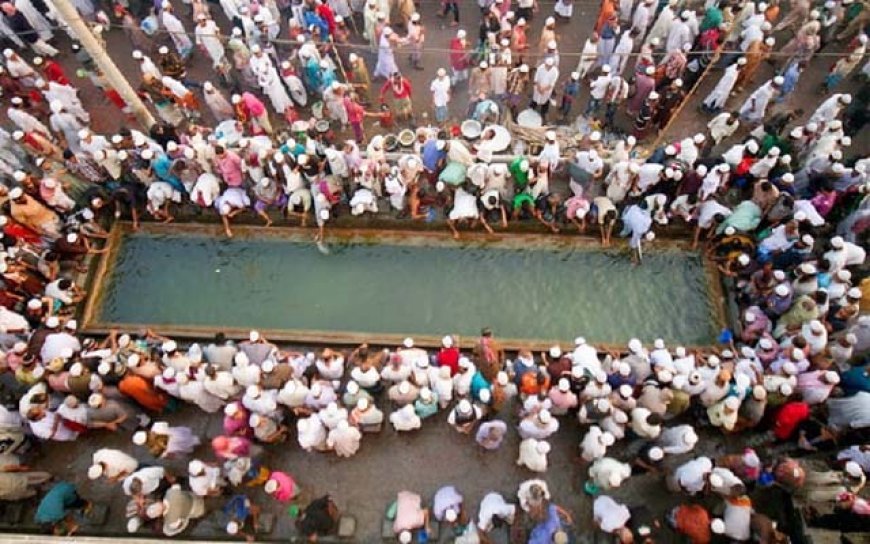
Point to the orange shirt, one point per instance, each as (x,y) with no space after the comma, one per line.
(143,393)
(693,521)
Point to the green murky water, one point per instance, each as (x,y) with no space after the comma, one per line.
(520,293)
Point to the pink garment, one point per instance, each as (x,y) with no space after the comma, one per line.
(574,204)
(236,425)
(286,486)
(824,202)
(231,447)
(253,104)
(230,168)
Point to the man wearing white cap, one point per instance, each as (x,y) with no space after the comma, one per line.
(538,425)
(544,83)
(176,30)
(204,479)
(464,416)
(755,107)
(112,464)
(533,454)
(607,473)
(440,89)
(344,439)
(717,98)
(208,39)
(65,122)
(830,109)
(598,90)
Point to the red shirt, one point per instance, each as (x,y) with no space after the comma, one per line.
(449,357)
(789,417)
(355,112)
(458,55)
(54,72)
(403,90)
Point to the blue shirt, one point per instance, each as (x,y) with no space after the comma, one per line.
(52,508)
(544,531)
(431,155)
(238,507)
(424,410)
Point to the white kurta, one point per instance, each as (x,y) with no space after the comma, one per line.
(756,105)
(720,93)
(271,84)
(177,32)
(26,121)
(208,37)
(547,78)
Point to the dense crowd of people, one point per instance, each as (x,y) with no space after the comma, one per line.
(781,208)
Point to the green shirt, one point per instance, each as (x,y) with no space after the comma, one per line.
(521,179)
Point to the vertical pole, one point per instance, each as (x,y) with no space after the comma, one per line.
(116,79)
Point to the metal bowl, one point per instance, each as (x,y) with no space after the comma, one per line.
(407,137)
(530,118)
(322,126)
(500,141)
(391,142)
(471,129)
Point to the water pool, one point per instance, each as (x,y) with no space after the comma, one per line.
(415,285)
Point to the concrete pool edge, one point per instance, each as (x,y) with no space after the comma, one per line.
(103,266)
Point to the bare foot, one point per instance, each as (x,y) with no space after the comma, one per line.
(456,236)
(268,223)
(229,233)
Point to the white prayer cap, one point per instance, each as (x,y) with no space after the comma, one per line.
(545,416)
(659,343)
(195,467)
(854,293)
(549,61)
(743,259)
(595,136)
(670,150)
(405,537)
(163,50)
(236,98)
(268,366)
(605,69)
(362,403)
(846,99)
(656,453)
(625,391)
(853,469)
(140,437)
(549,21)
(831,377)
(441,72)
(460,34)
(550,135)
(501,378)
(95,471)
(770,41)
(147,154)
(16,192)
(254,420)
(52,322)
(555,352)
(271,486)
(253,391)
(404,387)
(169,346)
(765,343)
(564,385)
(634,345)
(650,71)
(464,406)
(133,524)
(485,396)
(231,409)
